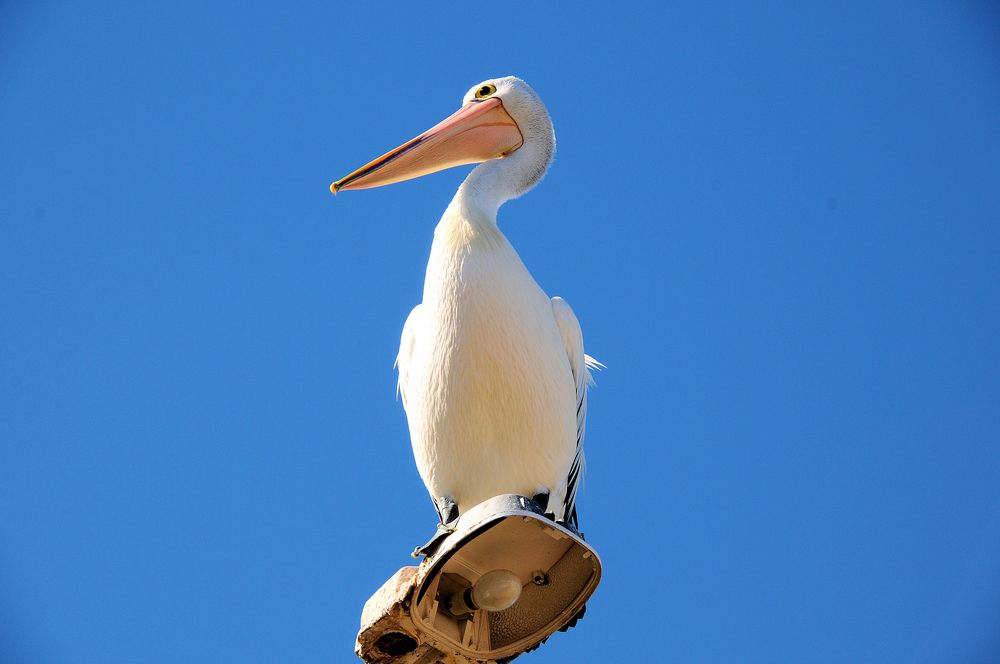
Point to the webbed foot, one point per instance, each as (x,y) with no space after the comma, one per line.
(447,510)
(428,549)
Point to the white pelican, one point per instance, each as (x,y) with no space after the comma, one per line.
(491,370)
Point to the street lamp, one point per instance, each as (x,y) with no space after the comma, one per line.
(504,581)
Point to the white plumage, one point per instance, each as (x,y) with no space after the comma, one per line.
(492,372)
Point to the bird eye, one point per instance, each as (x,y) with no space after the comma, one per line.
(485,91)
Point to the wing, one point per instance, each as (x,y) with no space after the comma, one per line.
(406,344)
(581,364)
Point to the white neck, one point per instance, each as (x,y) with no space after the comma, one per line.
(493,183)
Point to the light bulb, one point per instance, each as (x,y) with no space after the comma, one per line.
(496,590)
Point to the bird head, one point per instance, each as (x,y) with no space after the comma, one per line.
(499,118)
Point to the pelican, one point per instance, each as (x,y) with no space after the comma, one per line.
(492,372)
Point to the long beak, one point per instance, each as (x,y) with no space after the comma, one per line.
(477,132)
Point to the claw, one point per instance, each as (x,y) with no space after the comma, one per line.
(570,527)
(443,530)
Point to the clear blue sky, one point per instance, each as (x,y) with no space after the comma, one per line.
(777,224)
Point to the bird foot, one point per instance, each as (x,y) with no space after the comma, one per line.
(447,510)
(428,549)
(570,527)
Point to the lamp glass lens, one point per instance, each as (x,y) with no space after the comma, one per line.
(496,590)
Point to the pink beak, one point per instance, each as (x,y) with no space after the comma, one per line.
(477,132)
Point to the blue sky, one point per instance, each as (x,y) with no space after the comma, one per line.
(777,225)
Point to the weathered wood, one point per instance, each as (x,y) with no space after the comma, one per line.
(386,635)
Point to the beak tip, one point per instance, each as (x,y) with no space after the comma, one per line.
(334,188)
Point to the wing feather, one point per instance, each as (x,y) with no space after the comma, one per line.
(406,343)
(581,364)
